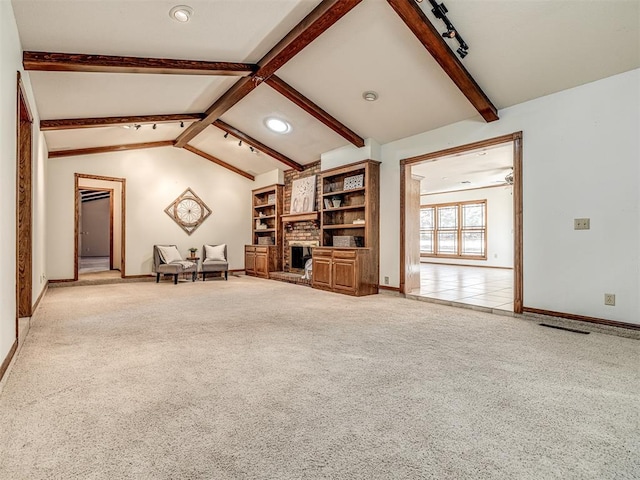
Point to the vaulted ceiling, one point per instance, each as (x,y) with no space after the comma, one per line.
(519,50)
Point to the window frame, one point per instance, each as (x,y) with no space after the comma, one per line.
(460,230)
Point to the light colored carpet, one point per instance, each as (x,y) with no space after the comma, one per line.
(256,379)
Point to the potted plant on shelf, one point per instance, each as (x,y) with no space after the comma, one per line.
(193,251)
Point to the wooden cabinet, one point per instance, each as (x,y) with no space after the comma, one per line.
(344,270)
(260,260)
(348,259)
(264,255)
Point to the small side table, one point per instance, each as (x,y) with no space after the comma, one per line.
(195,260)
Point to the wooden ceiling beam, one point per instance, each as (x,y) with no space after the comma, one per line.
(423,29)
(311,27)
(75,123)
(110,148)
(314,110)
(217,161)
(258,145)
(77,62)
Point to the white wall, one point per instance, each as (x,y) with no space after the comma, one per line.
(499,224)
(580,159)
(10,63)
(154,179)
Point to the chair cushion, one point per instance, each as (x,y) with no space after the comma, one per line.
(169,253)
(215,252)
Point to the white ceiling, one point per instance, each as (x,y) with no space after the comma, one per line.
(486,167)
(519,50)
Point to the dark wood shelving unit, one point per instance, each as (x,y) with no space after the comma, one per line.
(348,259)
(264,255)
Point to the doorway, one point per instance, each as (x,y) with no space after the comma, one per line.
(95,242)
(457,246)
(99,227)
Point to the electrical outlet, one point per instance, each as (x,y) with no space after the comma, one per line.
(581,223)
(386,280)
(610,299)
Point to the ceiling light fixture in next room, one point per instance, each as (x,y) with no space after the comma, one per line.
(181,13)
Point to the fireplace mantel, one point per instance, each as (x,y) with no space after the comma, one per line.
(300,217)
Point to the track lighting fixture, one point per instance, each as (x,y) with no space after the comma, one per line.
(137,127)
(240,143)
(226,135)
(252,149)
(440,12)
(181,124)
(154,126)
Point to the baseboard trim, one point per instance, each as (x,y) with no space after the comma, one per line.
(238,270)
(63,280)
(40,297)
(7,361)
(387,287)
(464,265)
(147,275)
(582,318)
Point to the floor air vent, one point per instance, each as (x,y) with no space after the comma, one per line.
(565,328)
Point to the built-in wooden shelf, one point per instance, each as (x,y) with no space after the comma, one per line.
(261,230)
(300,217)
(264,217)
(264,205)
(347,207)
(342,192)
(344,225)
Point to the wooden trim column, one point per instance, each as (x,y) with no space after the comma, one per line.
(24,206)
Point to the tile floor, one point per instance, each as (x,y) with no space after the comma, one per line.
(481,286)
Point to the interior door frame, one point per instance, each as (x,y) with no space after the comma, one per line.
(24,205)
(123,196)
(111,193)
(405,169)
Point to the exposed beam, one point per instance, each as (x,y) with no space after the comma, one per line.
(423,29)
(311,27)
(107,149)
(78,62)
(217,161)
(256,144)
(314,110)
(74,123)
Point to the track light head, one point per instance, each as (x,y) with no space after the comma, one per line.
(137,127)
(155,126)
(181,124)
(252,149)
(226,135)
(240,143)
(462,52)
(449,34)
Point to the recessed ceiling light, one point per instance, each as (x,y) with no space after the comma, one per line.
(277,125)
(181,13)
(370,96)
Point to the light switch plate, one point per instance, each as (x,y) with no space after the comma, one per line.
(581,223)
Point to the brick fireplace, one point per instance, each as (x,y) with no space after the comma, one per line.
(304,233)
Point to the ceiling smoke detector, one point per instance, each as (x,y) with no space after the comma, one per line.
(370,96)
(181,13)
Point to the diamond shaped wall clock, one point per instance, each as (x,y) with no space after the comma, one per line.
(188,211)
